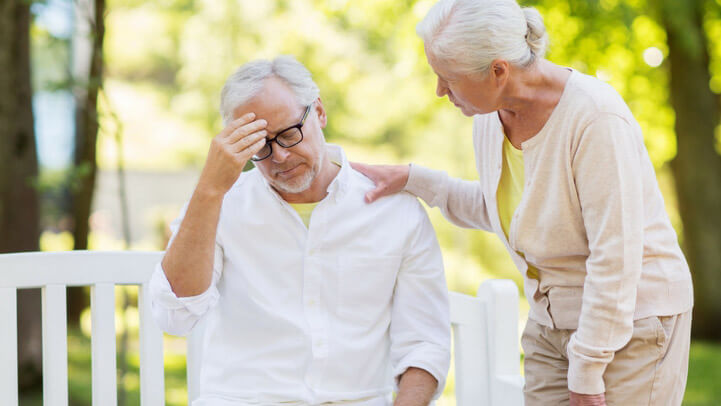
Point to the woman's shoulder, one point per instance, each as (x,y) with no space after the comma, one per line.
(593,97)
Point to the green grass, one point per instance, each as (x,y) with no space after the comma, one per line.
(704,375)
(703,389)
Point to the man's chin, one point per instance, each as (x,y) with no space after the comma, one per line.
(290,189)
(298,184)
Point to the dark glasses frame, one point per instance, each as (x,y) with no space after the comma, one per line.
(269,142)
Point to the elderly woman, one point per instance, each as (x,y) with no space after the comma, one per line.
(566,183)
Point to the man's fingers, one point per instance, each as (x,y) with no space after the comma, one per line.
(253,148)
(238,122)
(249,140)
(246,130)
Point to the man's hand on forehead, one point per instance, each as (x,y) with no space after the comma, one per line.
(238,123)
(243,127)
(229,151)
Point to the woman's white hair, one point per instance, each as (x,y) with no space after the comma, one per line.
(247,81)
(472,33)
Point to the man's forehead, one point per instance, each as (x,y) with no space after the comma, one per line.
(280,113)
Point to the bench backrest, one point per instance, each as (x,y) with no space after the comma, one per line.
(102,271)
(485,330)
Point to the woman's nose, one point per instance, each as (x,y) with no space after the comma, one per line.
(441,89)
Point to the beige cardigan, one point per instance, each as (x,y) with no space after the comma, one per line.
(591,219)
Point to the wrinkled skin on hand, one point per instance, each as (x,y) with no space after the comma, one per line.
(578,399)
(389,179)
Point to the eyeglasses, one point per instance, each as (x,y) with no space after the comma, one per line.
(287,138)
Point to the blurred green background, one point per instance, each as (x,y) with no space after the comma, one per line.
(125,97)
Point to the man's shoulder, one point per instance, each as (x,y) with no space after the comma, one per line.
(403,202)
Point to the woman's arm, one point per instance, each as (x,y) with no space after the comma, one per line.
(608,177)
(460,201)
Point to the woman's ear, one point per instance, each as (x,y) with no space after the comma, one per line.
(500,69)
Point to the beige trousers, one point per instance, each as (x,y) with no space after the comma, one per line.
(650,370)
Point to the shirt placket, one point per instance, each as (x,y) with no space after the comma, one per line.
(313,306)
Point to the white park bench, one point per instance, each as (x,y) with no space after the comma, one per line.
(485,330)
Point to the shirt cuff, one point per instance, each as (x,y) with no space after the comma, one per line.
(585,374)
(425,183)
(163,295)
(429,358)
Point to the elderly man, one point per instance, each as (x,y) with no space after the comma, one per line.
(311,296)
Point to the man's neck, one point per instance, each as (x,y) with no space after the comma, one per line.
(318,190)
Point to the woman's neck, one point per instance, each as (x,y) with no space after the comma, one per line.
(530,98)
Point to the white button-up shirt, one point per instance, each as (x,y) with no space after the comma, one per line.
(302,315)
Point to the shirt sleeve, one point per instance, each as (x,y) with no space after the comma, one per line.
(420,322)
(460,201)
(178,315)
(607,172)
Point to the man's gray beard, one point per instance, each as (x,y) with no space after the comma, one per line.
(302,184)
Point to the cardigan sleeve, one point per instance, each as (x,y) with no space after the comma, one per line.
(607,172)
(460,201)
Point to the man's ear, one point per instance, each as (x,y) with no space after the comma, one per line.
(320,110)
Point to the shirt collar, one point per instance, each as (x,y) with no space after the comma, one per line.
(339,186)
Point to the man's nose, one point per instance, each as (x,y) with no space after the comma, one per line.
(280,154)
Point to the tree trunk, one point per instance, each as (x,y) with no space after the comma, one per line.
(88,61)
(19,212)
(697,166)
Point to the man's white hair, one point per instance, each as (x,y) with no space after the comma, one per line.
(472,33)
(247,81)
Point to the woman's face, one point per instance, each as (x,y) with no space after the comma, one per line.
(471,93)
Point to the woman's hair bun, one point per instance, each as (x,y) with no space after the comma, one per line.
(536,37)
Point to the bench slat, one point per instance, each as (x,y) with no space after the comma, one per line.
(9,346)
(194,357)
(152,378)
(102,307)
(55,346)
(471,365)
(466,310)
(76,268)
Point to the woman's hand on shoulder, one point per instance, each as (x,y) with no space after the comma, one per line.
(389,179)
